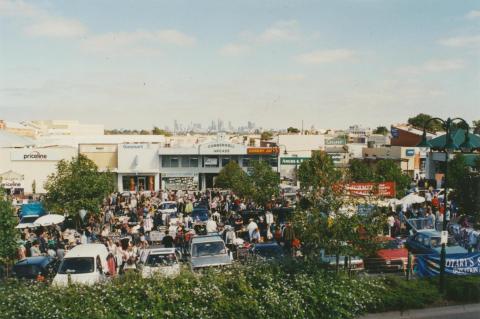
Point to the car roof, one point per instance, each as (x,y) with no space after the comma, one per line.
(206,239)
(160,251)
(168,202)
(430,232)
(87,250)
(267,245)
(39,260)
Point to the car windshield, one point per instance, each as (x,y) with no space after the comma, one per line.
(27,271)
(81,265)
(168,206)
(200,216)
(208,249)
(392,244)
(28,219)
(161,260)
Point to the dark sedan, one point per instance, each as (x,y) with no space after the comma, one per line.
(267,251)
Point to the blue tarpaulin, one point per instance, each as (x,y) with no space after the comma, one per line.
(32,209)
(456,264)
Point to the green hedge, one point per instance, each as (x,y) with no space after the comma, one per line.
(294,290)
(463,289)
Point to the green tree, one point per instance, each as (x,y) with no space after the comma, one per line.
(265,136)
(293,130)
(8,233)
(381,130)
(388,171)
(264,182)
(420,120)
(77,185)
(158,131)
(359,171)
(233,177)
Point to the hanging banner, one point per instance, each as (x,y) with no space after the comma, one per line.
(456,264)
(385,189)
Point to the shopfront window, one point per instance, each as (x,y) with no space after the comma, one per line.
(138,183)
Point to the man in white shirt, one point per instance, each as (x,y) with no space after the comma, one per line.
(211,226)
(252,226)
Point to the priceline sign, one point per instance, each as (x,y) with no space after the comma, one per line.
(36,155)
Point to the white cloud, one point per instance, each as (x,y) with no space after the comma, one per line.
(473,14)
(41,23)
(325,56)
(461,41)
(279,31)
(136,42)
(235,49)
(444,65)
(56,27)
(430,66)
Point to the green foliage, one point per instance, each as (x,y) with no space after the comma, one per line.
(264,182)
(77,185)
(8,233)
(293,130)
(359,171)
(381,130)
(233,177)
(265,136)
(463,289)
(421,119)
(159,131)
(388,171)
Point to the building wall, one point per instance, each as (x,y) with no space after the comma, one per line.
(105,156)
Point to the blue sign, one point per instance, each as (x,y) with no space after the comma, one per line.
(456,264)
(410,152)
(394,132)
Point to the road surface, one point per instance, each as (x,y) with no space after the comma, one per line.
(454,312)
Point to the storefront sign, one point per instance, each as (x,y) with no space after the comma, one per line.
(211,161)
(335,141)
(456,264)
(179,174)
(409,152)
(11,184)
(222,147)
(262,150)
(292,160)
(38,155)
(385,189)
(133,146)
(337,157)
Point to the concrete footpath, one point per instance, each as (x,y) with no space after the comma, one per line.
(456,312)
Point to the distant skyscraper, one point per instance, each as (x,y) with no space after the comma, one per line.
(220,125)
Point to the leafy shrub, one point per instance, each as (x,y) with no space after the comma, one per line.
(463,289)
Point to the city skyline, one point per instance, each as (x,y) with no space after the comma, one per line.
(331,64)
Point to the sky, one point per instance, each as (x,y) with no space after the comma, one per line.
(331,64)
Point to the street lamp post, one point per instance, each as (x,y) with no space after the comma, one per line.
(448,148)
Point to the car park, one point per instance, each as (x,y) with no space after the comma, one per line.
(429,242)
(209,251)
(84,264)
(161,261)
(39,268)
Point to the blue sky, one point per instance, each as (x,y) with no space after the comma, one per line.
(135,64)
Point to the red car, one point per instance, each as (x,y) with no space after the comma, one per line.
(392,256)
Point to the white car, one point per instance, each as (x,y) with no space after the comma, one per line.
(168,209)
(161,261)
(84,264)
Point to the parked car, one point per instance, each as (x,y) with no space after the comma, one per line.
(392,256)
(267,251)
(209,251)
(39,268)
(27,222)
(355,263)
(429,242)
(84,264)
(162,261)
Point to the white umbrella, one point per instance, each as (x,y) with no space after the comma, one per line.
(49,220)
(411,199)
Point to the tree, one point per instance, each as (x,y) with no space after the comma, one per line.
(420,120)
(381,130)
(77,185)
(265,136)
(293,130)
(8,233)
(359,171)
(264,182)
(388,171)
(144,132)
(159,131)
(233,177)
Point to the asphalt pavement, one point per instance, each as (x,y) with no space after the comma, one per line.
(456,312)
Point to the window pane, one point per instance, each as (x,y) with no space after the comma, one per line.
(165,161)
(185,161)
(193,161)
(174,162)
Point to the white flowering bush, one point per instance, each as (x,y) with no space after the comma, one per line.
(294,290)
